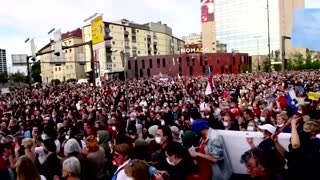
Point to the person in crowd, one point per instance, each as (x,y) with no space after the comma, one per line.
(122,160)
(29,149)
(71,169)
(138,170)
(96,157)
(257,165)
(282,123)
(72,149)
(51,167)
(180,161)
(269,149)
(230,124)
(163,137)
(104,139)
(26,170)
(212,159)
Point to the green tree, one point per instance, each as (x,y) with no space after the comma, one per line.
(308,64)
(298,61)
(245,69)
(18,77)
(36,71)
(3,77)
(55,81)
(266,66)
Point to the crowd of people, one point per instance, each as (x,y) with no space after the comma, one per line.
(161,128)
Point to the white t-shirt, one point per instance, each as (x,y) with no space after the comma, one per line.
(203,106)
(122,174)
(43,156)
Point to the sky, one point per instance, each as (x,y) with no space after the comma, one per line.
(21,19)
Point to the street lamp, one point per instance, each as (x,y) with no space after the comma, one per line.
(257,37)
(269,48)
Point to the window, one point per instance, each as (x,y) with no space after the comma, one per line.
(125,28)
(163,62)
(179,60)
(66,51)
(218,61)
(138,52)
(141,73)
(150,63)
(70,42)
(158,63)
(113,42)
(148,72)
(114,57)
(136,65)
(211,68)
(145,39)
(56,69)
(129,64)
(188,61)
(59,68)
(70,50)
(137,30)
(203,69)
(143,64)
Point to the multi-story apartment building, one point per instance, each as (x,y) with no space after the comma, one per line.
(71,66)
(124,39)
(3,61)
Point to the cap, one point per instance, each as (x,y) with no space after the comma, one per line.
(268,127)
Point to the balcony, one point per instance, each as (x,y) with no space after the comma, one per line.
(126,39)
(134,45)
(148,36)
(108,30)
(155,37)
(126,33)
(155,43)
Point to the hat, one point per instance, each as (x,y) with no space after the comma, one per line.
(199,125)
(50,145)
(268,127)
(189,138)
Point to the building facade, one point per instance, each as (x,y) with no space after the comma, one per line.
(72,67)
(124,39)
(208,23)
(3,61)
(188,64)
(195,41)
(243,24)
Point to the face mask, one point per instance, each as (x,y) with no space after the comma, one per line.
(44,137)
(281,125)
(169,162)
(263,119)
(67,137)
(114,128)
(123,115)
(256,120)
(158,140)
(250,128)
(226,124)
(109,117)
(163,123)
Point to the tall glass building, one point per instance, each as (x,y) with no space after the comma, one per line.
(243,25)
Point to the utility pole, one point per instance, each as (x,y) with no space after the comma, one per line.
(125,59)
(92,64)
(269,48)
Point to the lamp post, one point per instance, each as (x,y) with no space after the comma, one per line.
(258,51)
(28,64)
(269,48)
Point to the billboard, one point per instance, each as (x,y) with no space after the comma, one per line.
(97,30)
(19,59)
(207,11)
(306,29)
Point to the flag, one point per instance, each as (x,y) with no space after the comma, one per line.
(210,86)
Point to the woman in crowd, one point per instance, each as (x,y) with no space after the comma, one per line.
(26,170)
(71,169)
(138,170)
(96,157)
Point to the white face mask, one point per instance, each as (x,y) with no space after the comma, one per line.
(114,128)
(44,136)
(226,124)
(263,119)
(158,140)
(163,122)
(250,128)
(169,162)
(67,137)
(281,125)
(256,120)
